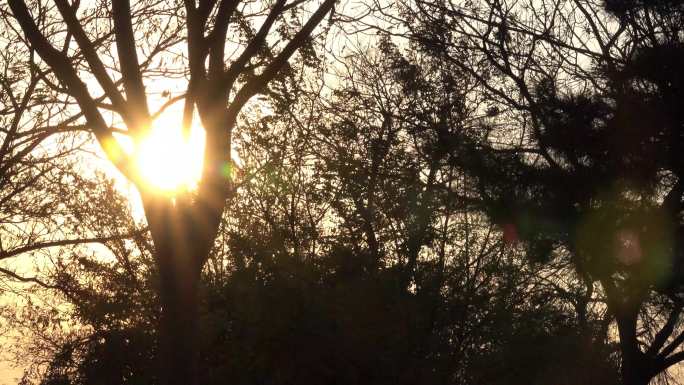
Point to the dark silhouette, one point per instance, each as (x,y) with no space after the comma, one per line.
(593,173)
(483,193)
(182,228)
(36,161)
(284,300)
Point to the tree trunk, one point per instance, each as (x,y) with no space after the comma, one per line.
(178,323)
(635,366)
(183,230)
(179,253)
(633,372)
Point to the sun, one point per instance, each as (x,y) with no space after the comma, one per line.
(169,160)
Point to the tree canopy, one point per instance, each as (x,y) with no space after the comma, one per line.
(420,191)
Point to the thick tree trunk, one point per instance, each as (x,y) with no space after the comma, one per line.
(178,324)
(635,365)
(183,230)
(179,254)
(633,372)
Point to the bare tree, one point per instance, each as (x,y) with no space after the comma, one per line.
(38,157)
(76,43)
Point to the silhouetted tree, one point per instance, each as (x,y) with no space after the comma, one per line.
(296,290)
(38,159)
(76,40)
(581,154)
(93,297)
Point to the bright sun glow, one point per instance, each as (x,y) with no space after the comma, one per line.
(168,160)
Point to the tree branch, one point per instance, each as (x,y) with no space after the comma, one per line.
(128,59)
(257,84)
(91,56)
(665,331)
(64,242)
(66,73)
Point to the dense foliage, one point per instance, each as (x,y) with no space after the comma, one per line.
(483,193)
